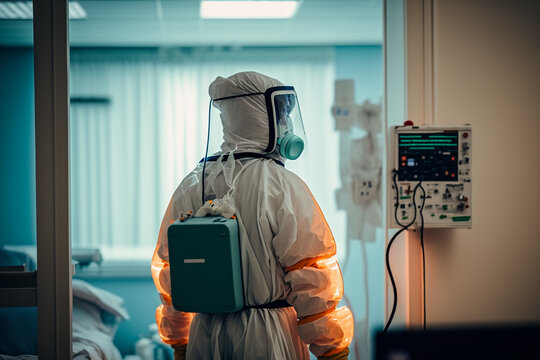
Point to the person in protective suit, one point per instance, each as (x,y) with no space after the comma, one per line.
(288,252)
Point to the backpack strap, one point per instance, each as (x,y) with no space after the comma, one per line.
(242,155)
(272,305)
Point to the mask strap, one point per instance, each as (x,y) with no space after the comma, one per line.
(237,96)
(206,152)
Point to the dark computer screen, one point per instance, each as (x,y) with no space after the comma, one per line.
(495,342)
(428,156)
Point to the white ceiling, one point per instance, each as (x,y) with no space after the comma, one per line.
(142,23)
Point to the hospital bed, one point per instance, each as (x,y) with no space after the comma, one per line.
(96,313)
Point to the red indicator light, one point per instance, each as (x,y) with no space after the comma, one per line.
(403,158)
(453,158)
(465,135)
(453,175)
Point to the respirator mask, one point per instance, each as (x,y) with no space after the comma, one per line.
(284,113)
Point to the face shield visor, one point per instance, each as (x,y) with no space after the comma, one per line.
(287,134)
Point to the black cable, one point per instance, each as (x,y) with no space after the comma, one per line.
(403,228)
(394,305)
(423,252)
(206,153)
(397,201)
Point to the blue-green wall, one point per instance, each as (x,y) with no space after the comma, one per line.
(364,64)
(17,183)
(17,149)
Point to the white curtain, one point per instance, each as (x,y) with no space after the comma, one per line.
(141,127)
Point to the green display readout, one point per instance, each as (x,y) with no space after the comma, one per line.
(428,156)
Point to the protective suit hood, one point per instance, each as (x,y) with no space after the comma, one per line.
(245,119)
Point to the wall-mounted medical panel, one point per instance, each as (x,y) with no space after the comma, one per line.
(431,177)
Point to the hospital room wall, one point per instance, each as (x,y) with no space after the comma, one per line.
(363,64)
(486,71)
(17,139)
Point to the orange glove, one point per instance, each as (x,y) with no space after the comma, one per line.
(342,355)
(179,351)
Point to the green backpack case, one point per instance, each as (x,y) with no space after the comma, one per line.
(206,268)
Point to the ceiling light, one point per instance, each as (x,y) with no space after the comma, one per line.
(23,10)
(248,9)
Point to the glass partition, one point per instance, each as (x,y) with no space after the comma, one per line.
(139,80)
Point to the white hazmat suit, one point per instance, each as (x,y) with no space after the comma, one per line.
(287,249)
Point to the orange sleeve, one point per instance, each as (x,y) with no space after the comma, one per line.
(173,325)
(316,291)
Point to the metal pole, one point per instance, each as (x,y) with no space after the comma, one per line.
(51,60)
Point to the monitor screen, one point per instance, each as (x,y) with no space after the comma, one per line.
(428,156)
